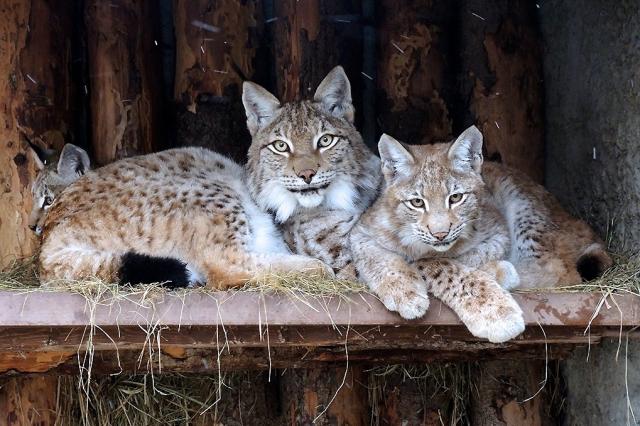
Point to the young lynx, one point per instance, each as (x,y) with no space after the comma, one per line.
(188,204)
(309,167)
(447,224)
(432,227)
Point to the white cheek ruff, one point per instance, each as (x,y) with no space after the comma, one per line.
(342,195)
(274,197)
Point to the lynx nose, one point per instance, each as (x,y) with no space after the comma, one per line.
(307,175)
(440,235)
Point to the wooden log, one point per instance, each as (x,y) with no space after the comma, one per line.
(506,393)
(416,81)
(310,38)
(124,78)
(328,396)
(28,401)
(217,44)
(502,79)
(35,100)
(431,394)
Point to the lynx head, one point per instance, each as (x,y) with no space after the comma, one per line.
(55,173)
(308,154)
(433,192)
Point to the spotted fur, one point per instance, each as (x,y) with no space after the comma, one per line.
(188,204)
(435,228)
(309,167)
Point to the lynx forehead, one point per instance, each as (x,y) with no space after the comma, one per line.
(307,154)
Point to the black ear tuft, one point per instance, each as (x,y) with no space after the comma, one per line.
(142,269)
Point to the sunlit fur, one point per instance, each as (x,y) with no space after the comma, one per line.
(315,216)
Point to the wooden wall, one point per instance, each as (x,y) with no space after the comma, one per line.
(129,77)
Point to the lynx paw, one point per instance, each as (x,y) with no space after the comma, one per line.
(506,275)
(409,301)
(498,321)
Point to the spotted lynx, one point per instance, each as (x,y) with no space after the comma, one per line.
(54,176)
(309,167)
(439,227)
(188,204)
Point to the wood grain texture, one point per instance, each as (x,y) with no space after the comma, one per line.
(415,75)
(124,78)
(28,401)
(35,100)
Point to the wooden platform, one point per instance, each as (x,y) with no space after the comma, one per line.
(45,332)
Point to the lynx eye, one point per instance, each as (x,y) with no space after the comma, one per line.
(279,147)
(455,198)
(47,201)
(327,141)
(416,203)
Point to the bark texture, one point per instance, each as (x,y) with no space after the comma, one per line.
(506,393)
(217,43)
(35,100)
(124,78)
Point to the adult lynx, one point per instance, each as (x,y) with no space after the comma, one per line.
(189,204)
(309,167)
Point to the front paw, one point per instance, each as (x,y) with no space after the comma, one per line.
(410,301)
(498,319)
(506,275)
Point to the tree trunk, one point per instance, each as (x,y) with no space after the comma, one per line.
(28,401)
(503,394)
(502,79)
(35,97)
(416,95)
(217,43)
(309,39)
(314,396)
(125,78)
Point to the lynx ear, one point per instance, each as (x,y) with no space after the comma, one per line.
(396,159)
(334,95)
(73,163)
(466,152)
(259,105)
(41,156)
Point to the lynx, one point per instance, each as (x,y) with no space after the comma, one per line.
(438,227)
(309,167)
(188,204)
(53,176)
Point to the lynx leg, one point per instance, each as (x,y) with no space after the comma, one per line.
(76,263)
(484,307)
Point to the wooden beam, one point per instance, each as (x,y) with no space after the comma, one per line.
(45,331)
(56,309)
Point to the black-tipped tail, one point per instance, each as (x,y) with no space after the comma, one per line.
(593,262)
(142,269)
